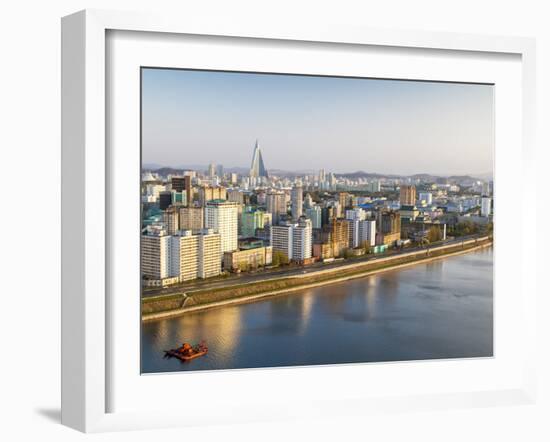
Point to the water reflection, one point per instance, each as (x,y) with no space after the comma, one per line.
(442,309)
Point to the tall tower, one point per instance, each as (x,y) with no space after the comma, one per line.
(297,201)
(276,205)
(222,216)
(211,170)
(257,168)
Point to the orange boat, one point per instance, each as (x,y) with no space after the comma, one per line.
(187,352)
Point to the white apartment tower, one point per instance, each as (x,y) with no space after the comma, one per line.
(281,239)
(302,240)
(209,249)
(155,256)
(185,258)
(485,206)
(367,233)
(294,240)
(355,218)
(222,217)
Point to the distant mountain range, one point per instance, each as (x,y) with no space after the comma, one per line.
(353,175)
(417,176)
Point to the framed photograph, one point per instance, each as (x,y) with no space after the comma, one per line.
(266,222)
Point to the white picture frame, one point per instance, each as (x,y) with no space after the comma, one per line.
(85,197)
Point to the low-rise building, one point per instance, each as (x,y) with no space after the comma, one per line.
(248,258)
(387,239)
(322,251)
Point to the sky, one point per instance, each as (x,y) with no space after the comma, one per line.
(312,122)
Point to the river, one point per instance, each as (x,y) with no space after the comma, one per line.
(441,309)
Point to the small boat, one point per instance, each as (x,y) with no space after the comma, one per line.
(187,351)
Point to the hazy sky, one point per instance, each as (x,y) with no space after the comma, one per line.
(307,122)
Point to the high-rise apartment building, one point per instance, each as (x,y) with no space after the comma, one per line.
(281,239)
(374,186)
(389,227)
(344,200)
(178,198)
(252,220)
(314,213)
(389,222)
(294,240)
(332,181)
(407,195)
(302,240)
(235,195)
(178,183)
(210,250)
(336,236)
(367,233)
(357,214)
(486,206)
(165,199)
(327,215)
(276,204)
(208,193)
(188,189)
(170,218)
(191,218)
(169,259)
(339,230)
(155,256)
(211,170)
(222,217)
(297,201)
(185,255)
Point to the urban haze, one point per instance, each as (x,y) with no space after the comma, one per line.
(385,126)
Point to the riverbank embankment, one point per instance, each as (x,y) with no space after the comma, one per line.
(177,304)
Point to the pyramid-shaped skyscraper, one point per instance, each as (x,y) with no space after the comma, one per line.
(257,168)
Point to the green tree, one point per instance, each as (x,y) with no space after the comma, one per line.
(465,228)
(434,234)
(279,258)
(365,245)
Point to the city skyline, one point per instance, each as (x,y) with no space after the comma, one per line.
(193,118)
(263,206)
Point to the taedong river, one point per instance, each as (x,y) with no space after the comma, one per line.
(441,309)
